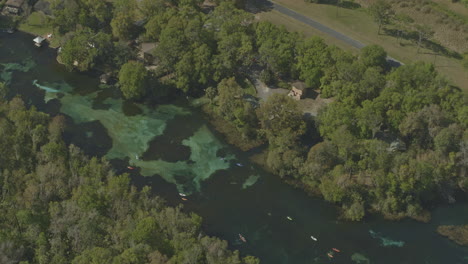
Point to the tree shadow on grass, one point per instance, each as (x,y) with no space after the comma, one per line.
(342,4)
(413,36)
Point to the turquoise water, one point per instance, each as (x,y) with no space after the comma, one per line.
(174,149)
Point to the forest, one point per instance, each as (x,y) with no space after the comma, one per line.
(393,141)
(59,206)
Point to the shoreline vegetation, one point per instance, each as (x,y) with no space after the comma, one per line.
(393,141)
(60,206)
(458,234)
(229,131)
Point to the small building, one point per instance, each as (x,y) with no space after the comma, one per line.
(14,7)
(298,90)
(146,52)
(397,145)
(105,78)
(38,41)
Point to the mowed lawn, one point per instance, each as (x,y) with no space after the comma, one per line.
(359,25)
(37,24)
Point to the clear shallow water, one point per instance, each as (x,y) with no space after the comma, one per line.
(175,150)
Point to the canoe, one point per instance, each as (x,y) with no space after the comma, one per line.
(242,238)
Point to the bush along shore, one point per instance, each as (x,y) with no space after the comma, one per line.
(458,234)
(393,141)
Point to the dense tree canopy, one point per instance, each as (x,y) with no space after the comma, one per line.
(133,79)
(84,49)
(382,13)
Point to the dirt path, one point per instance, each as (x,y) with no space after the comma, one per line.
(263,91)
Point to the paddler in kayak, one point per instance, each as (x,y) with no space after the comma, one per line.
(242,238)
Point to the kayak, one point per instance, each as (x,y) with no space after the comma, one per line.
(184,199)
(242,238)
(289,218)
(239,164)
(182,194)
(330,255)
(336,250)
(313,238)
(130,168)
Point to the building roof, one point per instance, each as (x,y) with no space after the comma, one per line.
(299,85)
(39,39)
(15,3)
(148,46)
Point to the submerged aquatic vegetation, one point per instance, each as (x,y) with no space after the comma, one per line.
(385,241)
(131,136)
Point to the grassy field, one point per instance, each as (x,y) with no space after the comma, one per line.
(36,24)
(357,24)
(306,30)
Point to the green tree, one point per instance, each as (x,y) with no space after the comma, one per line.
(151,8)
(122,25)
(157,23)
(465,60)
(65,15)
(313,56)
(211,93)
(276,47)
(234,51)
(373,56)
(382,13)
(96,255)
(173,44)
(334,116)
(355,211)
(123,19)
(146,231)
(3,90)
(280,113)
(80,51)
(133,80)
(229,98)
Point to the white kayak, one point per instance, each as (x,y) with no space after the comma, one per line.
(313,238)
(182,194)
(289,218)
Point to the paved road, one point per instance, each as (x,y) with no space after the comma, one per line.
(308,21)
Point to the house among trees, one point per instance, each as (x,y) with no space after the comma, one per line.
(14,7)
(298,90)
(146,52)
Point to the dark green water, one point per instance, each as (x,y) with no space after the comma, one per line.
(175,150)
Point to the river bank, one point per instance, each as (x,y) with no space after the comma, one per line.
(458,234)
(230,132)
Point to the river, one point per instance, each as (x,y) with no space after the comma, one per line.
(174,149)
